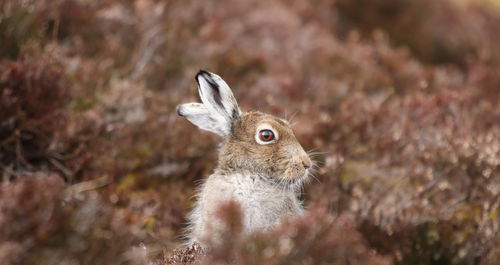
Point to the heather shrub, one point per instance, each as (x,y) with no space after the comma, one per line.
(317,238)
(63,226)
(399,100)
(19,25)
(411,172)
(33,97)
(31,195)
(436,31)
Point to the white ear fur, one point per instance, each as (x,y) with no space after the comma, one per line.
(200,116)
(219,107)
(217,96)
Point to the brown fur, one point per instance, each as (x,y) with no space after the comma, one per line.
(284,160)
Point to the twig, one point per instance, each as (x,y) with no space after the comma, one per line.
(88,185)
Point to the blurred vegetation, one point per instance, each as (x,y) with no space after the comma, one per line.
(402,96)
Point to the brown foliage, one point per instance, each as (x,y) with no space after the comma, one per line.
(88,91)
(62,226)
(317,238)
(33,97)
(435,31)
(37,197)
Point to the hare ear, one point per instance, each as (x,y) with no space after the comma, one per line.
(217,97)
(199,115)
(219,108)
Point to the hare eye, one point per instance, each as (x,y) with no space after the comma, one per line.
(266,135)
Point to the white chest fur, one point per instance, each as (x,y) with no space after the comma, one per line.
(263,204)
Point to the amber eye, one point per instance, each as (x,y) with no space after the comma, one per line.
(266,135)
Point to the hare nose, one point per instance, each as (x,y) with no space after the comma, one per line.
(306,162)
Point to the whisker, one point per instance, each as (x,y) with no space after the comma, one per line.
(315,167)
(311,153)
(312,150)
(314,177)
(292,117)
(317,163)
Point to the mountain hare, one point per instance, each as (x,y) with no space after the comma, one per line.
(261,164)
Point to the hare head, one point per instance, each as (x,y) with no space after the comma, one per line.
(253,141)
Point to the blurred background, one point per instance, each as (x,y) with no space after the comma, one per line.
(400,97)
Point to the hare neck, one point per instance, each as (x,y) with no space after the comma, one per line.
(257,180)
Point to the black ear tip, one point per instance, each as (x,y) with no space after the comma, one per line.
(202,73)
(208,77)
